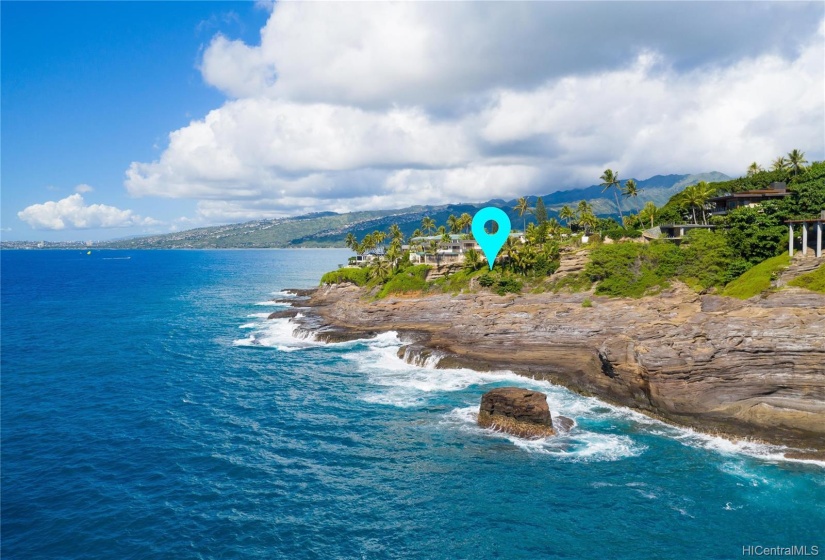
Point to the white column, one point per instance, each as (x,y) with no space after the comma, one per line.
(818,239)
(804,238)
(790,239)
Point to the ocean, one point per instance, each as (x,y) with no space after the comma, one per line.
(150,410)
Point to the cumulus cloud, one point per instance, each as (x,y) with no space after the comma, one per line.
(422,103)
(73,213)
(83,189)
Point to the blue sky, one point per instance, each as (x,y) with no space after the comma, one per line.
(123,118)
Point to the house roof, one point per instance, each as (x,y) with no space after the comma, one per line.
(760,193)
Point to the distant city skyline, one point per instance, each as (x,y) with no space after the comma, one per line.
(123,119)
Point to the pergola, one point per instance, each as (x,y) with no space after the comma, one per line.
(819,222)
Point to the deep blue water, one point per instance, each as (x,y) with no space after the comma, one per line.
(150,411)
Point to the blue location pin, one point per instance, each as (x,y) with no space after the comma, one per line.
(491,243)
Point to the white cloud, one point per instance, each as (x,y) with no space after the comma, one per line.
(72,212)
(83,188)
(427,103)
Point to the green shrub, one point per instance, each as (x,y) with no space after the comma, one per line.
(814,280)
(509,285)
(619,233)
(357,276)
(587,303)
(632,269)
(486,280)
(757,279)
(410,279)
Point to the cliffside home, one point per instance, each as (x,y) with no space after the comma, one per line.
(725,203)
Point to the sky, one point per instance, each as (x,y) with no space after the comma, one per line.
(132,118)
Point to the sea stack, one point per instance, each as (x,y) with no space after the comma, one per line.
(520,412)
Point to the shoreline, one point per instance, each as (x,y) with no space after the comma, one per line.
(772,394)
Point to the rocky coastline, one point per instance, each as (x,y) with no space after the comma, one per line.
(750,369)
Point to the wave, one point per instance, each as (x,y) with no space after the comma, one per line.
(577,446)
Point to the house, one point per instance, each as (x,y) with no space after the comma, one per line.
(447,252)
(818,223)
(725,203)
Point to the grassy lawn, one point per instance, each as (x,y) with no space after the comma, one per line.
(757,279)
(814,280)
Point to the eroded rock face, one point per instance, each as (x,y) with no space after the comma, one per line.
(748,369)
(520,412)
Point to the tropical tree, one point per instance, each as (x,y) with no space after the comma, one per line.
(378,240)
(510,247)
(533,234)
(428,224)
(380,269)
(454,223)
(351,241)
(553,227)
(696,196)
(630,189)
(754,168)
(779,164)
(588,221)
(610,180)
(522,207)
(416,233)
(445,237)
(466,221)
(567,214)
(433,250)
(649,212)
(395,232)
(394,252)
(797,161)
(472,259)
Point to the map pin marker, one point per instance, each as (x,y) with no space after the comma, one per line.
(491,243)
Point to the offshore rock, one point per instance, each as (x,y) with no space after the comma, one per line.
(520,412)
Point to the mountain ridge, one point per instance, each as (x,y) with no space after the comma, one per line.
(329,229)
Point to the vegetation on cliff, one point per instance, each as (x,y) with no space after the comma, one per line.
(740,257)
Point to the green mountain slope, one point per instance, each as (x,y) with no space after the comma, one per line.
(329,229)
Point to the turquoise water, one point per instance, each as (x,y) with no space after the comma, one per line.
(149,410)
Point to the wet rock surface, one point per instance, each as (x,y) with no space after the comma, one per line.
(520,412)
(748,369)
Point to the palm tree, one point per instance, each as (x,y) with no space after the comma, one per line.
(441,230)
(445,237)
(454,223)
(472,259)
(378,240)
(395,232)
(779,164)
(797,160)
(380,268)
(466,221)
(567,214)
(649,211)
(428,224)
(588,221)
(522,207)
(630,189)
(753,169)
(696,196)
(351,241)
(610,180)
(433,247)
(416,233)
(509,248)
(553,227)
(394,252)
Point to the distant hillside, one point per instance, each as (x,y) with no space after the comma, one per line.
(328,229)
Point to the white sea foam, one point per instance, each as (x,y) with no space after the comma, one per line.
(577,446)
(249,326)
(257,316)
(271,303)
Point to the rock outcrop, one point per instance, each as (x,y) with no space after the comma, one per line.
(516,411)
(752,369)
